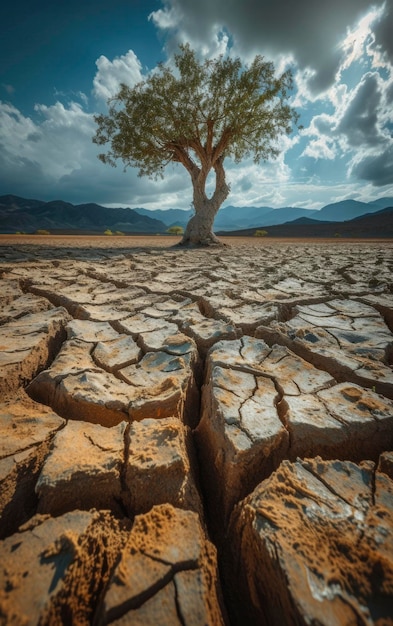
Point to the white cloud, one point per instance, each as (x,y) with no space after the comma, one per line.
(110,74)
(358,37)
(319,138)
(64,134)
(166,19)
(321,148)
(14,127)
(257,184)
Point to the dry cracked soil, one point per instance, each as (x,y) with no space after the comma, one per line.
(196,437)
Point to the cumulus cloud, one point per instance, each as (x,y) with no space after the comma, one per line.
(366,127)
(110,74)
(360,37)
(38,154)
(309,31)
(258,184)
(320,148)
(319,138)
(376,168)
(53,157)
(360,120)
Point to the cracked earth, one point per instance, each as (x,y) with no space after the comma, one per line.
(196,436)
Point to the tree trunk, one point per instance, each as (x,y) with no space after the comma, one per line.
(199,230)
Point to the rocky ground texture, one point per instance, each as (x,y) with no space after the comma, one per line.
(196,437)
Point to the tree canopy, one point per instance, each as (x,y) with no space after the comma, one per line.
(197,114)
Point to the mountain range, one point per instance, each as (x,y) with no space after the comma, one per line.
(23,215)
(237,218)
(29,215)
(370,225)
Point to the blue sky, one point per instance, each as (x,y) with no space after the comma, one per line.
(61,61)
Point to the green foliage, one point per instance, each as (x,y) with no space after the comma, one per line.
(175,230)
(260,233)
(108,232)
(197,114)
(41,231)
(119,232)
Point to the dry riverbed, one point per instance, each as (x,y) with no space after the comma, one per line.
(196,436)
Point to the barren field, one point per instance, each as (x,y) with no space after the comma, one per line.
(196,437)
(164,241)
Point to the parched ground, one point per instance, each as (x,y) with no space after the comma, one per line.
(196,436)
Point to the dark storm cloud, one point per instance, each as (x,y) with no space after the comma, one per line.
(376,169)
(308,29)
(23,175)
(112,186)
(360,121)
(383,31)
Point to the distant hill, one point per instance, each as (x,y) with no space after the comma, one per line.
(19,214)
(306,221)
(383,203)
(345,210)
(371,225)
(286,214)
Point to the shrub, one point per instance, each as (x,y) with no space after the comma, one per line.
(42,231)
(175,230)
(108,232)
(260,233)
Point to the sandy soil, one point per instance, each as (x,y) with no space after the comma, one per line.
(163,241)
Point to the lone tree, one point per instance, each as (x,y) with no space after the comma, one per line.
(198,114)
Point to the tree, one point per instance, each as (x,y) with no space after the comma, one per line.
(198,114)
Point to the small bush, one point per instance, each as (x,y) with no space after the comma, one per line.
(175,230)
(108,232)
(260,233)
(42,231)
(119,232)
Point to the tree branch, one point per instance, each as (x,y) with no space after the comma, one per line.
(221,145)
(222,188)
(181,156)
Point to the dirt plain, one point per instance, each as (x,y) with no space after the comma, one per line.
(196,436)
